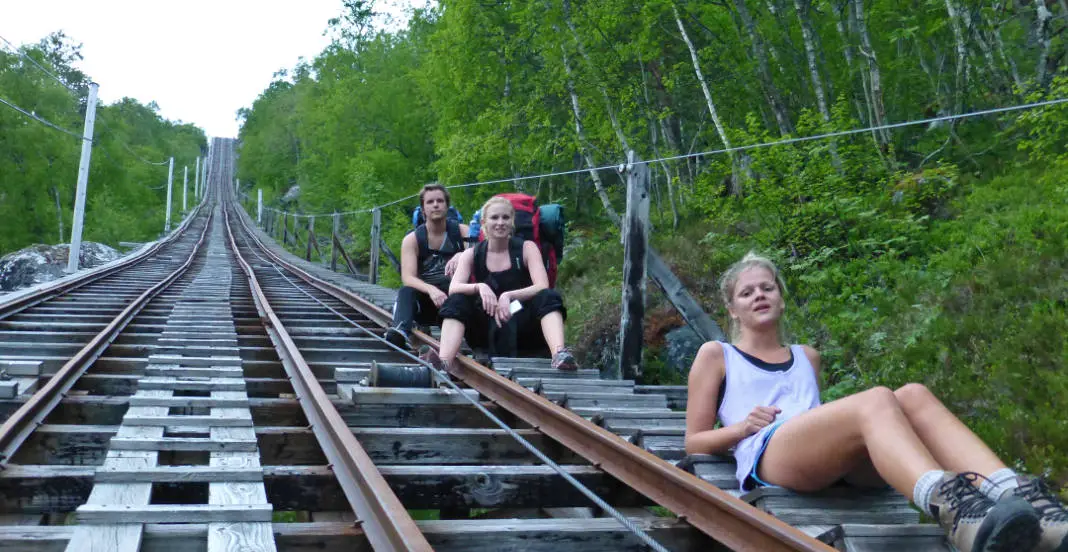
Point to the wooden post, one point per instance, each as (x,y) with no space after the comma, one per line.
(333,242)
(259,205)
(348,262)
(390,256)
(310,236)
(285,229)
(635,250)
(376,238)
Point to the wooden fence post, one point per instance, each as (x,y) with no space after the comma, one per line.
(310,236)
(376,236)
(285,229)
(635,251)
(333,242)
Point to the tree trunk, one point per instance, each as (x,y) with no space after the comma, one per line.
(600,81)
(59,214)
(736,184)
(809,36)
(656,151)
(962,59)
(995,31)
(1042,37)
(580,131)
(874,76)
(847,51)
(760,53)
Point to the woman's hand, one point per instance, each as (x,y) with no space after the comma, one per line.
(759,418)
(489,300)
(504,309)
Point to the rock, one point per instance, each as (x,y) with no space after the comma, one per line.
(603,353)
(680,347)
(291,195)
(43,263)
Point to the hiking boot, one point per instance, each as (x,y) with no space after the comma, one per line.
(974,523)
(398,339)
(1053,516)
(430,356)
(564,360)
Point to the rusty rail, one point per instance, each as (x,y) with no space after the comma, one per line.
(723,517)
(22,302)
(32,413)
(383,518)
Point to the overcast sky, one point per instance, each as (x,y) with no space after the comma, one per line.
(200,60)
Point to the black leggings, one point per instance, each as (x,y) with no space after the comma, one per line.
(523,330)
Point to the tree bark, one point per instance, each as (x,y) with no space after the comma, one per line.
(736,184)
(874,76)
(847,51)
(995,31)
(962,58)
(580,131)
(760,54)
(600,81)
(1042,37)
(809,36)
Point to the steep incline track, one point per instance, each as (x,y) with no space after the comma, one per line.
(209,416)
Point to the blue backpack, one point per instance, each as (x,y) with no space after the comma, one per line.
(453,214)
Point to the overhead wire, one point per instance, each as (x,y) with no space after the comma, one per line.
(101,118)
(788,141)
(42,120)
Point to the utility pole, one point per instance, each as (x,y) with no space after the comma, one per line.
(185,184)
(170,179)
(259,206)
(83,179)
(196,181)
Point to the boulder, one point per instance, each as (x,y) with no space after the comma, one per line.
(43,263)
(291,195)
(680,347)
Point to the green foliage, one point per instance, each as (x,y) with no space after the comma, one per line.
(38,165)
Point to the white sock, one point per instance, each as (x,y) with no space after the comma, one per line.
(925,487)
(999,483)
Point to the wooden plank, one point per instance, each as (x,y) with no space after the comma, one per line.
(120,535)
(189,421)
(209,384)
(182,443)
(186,372)
(223,537)
(191,361)
(173,513)
(9,389)
(389,255)
(21,367)
(635,251)
(677,294)
(187,402)
(178,474)
(311,237)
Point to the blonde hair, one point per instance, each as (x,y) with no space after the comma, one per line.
(729,280)
(497,200)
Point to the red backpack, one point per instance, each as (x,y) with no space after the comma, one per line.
(527,226)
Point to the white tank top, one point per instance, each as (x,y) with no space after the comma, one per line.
(747,386)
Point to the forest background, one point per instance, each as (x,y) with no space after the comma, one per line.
(39,164)
(932,253)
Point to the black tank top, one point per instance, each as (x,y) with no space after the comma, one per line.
(516,277)
(432,261)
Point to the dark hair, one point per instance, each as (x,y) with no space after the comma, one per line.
(433,187)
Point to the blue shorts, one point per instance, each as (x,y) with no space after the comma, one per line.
(753,480)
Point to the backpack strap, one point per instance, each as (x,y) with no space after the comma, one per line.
(422,238)
(481,273)
(452,233)
(515,252)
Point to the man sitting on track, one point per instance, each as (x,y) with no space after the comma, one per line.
(428,260)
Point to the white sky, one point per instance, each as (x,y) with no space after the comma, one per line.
(200,60)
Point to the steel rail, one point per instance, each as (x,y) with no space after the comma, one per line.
(383,518)
(18,427)
(22,302)
(723,517)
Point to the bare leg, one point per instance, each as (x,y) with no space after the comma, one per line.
(452,333)
(552,327)
(819,447)
(952,444)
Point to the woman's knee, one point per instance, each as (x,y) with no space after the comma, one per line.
(876,402)
(548,301)
(913,396)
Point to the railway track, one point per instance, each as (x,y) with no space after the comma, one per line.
(204,396)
